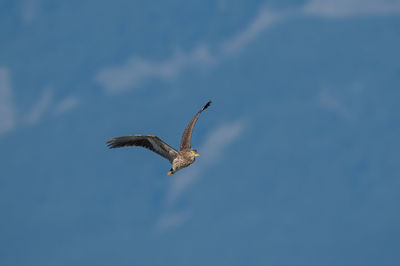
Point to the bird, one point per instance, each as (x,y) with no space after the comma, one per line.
(178,159)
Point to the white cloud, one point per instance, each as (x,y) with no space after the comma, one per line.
(7,110)
(211,151)
(66,105)
(257,26)
(172,220)
(40,107)
(136,70)
(328,101)
(29,10)
(343,8)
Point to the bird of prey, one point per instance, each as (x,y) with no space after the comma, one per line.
(179,159)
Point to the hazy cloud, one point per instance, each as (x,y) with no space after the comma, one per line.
(342,8)
(172,220)
(136,70)
(258,25)
(30,10)
(66,105)
(211,152)
(7,110)
(328,101)
(40,107)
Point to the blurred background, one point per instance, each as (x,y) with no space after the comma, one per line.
(299,152)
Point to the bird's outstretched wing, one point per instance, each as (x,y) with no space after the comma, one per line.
(187,134)
(152,143)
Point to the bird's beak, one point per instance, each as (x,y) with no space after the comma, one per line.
(170,173)
(196,154)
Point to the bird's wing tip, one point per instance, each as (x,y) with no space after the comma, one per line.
(110,143)
(207,105)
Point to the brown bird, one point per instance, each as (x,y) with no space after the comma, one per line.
(179,159)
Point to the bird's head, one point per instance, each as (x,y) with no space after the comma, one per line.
(195,153)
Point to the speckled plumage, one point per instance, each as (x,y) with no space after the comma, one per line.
(185,158)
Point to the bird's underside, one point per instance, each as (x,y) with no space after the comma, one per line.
(179,159)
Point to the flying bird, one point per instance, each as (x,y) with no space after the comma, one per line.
(179,159)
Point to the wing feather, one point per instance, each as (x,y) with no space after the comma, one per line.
(187,134)
(152,143)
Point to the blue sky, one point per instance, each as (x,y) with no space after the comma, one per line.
(299,152)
